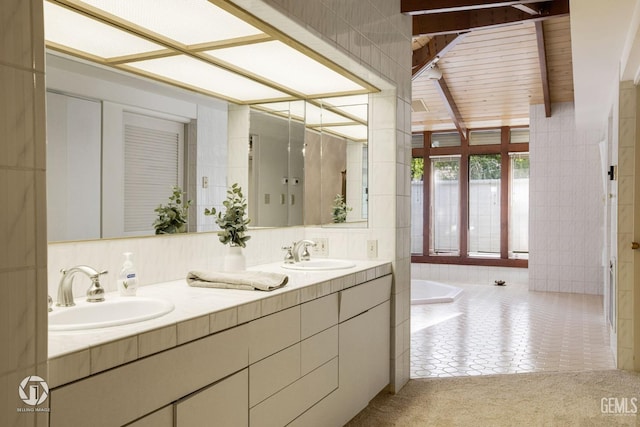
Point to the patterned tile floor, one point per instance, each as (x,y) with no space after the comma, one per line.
(491,330)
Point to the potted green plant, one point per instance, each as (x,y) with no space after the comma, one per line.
(233,227)
(339,209)
(172,217)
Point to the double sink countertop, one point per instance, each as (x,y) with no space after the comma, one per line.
(198,312)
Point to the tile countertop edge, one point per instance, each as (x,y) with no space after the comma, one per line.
(198,312)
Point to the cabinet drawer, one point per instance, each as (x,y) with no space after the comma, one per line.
(354,301)
(145,385)
(272,333)
(318,315)
(273,373)
(287,404)
(319,349)
(223,404)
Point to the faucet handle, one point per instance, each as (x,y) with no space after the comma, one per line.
(95,293)
(288,256)
(306,256)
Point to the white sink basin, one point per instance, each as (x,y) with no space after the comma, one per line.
(320,264)
(117,311)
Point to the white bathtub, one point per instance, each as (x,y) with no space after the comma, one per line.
(428,292)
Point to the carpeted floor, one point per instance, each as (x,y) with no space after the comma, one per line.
(534,399)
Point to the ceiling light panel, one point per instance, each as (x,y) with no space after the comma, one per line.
(340,101)
(316,116)
(200,75)
(293,109)
(354,132)
(287,67)
(67,28)
(187,22)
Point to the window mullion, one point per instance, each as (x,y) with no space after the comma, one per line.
(504,192)
(426,194)
(464,200)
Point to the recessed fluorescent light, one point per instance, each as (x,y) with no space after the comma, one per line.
(286,66)
(353,132)
(70,29)
(198,74)
(187,22)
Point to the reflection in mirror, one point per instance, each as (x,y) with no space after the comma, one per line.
(305,155)
(276,165)
(118,144)
(317,150)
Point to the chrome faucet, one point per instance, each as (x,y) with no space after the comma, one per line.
(95,293)
(304,244)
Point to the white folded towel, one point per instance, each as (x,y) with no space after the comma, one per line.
(248,280)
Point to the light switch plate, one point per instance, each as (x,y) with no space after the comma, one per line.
(372,248)
(322,246)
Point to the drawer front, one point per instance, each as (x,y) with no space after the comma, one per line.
(318,315)
(223,404)
(160,418)
(273,333)
(143,386)
(319,349)
(358,299)
(273,373)
(289,403)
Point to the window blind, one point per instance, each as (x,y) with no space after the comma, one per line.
(152,168)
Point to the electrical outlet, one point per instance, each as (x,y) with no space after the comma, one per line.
(322,246)
(372,248)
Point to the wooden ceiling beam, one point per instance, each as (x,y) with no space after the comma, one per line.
(452,108)
(469,20)
(544,73)
(421,7)
(431,52)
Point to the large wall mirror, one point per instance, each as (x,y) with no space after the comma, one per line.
(116,144)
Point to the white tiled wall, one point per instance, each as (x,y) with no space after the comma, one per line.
(469,274)
(627,141)
(23,234)
(161,258)
(566,204)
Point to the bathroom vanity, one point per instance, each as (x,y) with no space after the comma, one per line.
(312,353)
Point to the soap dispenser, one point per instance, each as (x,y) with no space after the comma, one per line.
(127,279)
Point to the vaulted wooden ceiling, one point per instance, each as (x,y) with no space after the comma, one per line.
(495,58)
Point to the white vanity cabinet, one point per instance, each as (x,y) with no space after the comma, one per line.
(364,357)
(315,363)
(128,392)
(289,382)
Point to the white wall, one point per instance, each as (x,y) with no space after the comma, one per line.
(566,204)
